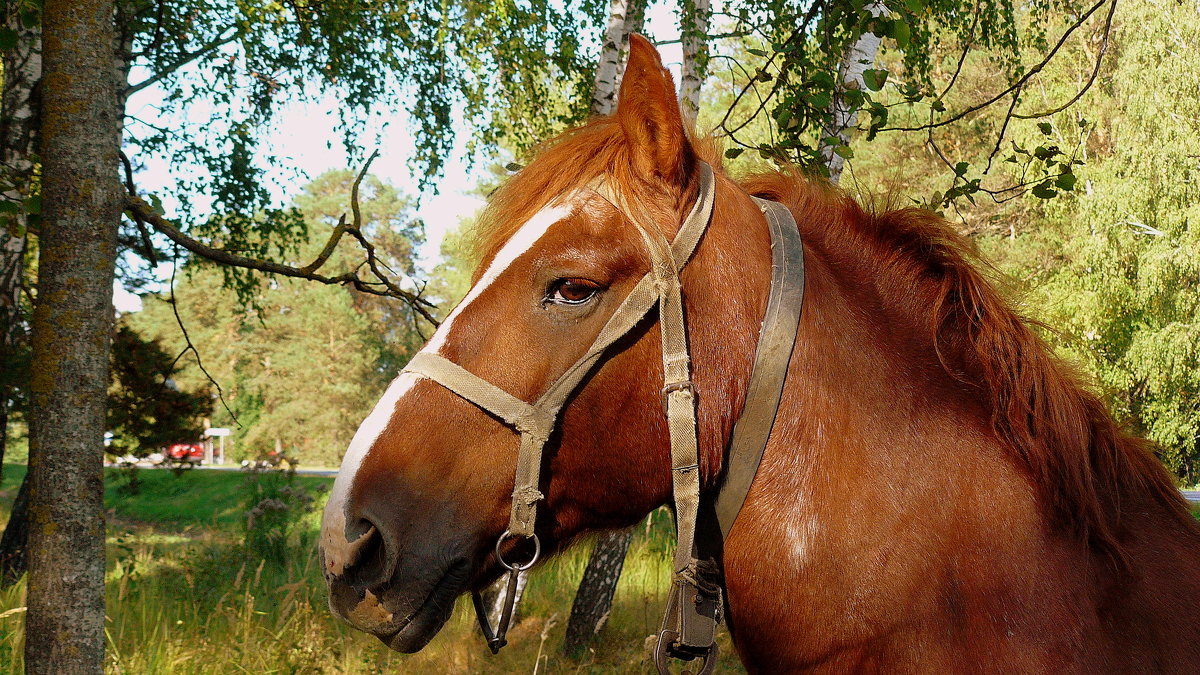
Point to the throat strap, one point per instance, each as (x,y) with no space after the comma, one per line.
(771,358)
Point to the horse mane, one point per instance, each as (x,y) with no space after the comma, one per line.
(1058,431)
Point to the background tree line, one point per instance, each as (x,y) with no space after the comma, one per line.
(1062,136)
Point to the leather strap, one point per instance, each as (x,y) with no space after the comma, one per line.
(771,358)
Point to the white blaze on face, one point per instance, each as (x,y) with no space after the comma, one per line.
(337,551)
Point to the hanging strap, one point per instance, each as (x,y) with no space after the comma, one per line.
(771,358)
(695,601)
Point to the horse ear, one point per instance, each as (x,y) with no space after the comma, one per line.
(648,112)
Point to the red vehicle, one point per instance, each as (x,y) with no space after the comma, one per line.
(192,453)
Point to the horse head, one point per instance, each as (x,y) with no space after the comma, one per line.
(425,489)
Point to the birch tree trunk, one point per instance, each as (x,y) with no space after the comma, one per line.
(624,18)
(859,57)
(593,600)
(22,70)
(694,33)
(18,126)
(72,330)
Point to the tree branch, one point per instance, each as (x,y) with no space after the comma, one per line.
(192,347)
(1037,68)
(382,285)
(1091,80)
(187,58)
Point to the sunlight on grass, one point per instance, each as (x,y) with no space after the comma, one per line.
(184,596)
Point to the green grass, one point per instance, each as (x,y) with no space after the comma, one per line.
(185,596)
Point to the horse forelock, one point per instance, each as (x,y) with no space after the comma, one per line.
(566,163)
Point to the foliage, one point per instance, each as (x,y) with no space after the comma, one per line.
(1118,264)
(305,364)
(146,409)
(787,79)
(226,69)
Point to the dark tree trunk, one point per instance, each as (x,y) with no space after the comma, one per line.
(72,331)
(593,600)
(14,545)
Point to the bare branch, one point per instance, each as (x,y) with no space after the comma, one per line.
(382,285)
(181,62)
(1037,68)
(192,347)
(1091,80)
(141,224)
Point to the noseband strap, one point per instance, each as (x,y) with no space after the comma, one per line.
(694,607)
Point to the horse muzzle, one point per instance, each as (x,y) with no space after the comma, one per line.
(405,613)
(404,600)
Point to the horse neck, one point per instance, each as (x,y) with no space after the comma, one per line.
(885,496)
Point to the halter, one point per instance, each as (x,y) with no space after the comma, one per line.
(694,606)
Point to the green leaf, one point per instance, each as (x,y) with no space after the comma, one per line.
(874,78)
(844,151)
(33,204)
(915,6)
(734,153)
(960,169)
(156,204)
(9,207)
(901,33)
(30,18)
(1066,182)
(757,52)
(8,38)
(1044,190)
(1045,128)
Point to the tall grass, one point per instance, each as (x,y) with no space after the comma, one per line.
(185,595)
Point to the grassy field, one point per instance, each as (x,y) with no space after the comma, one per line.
(187,595)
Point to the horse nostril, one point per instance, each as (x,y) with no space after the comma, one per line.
(367,561)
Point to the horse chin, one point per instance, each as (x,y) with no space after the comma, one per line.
(381,611)
(418,628)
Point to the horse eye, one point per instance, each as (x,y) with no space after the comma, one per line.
(572,291)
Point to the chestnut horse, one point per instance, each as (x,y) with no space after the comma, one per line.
(939,493)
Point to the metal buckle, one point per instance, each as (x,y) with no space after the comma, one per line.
(668,648)
(685,385)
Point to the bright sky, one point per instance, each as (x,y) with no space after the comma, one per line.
(305,133)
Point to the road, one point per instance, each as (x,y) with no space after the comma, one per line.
(330,473)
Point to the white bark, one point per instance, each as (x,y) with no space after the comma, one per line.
(22,70)
(500,588)
(604,92)
(694,34)
(625,17)
(593,600)
(858,59)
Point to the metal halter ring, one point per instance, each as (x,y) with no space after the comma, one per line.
(537,552)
